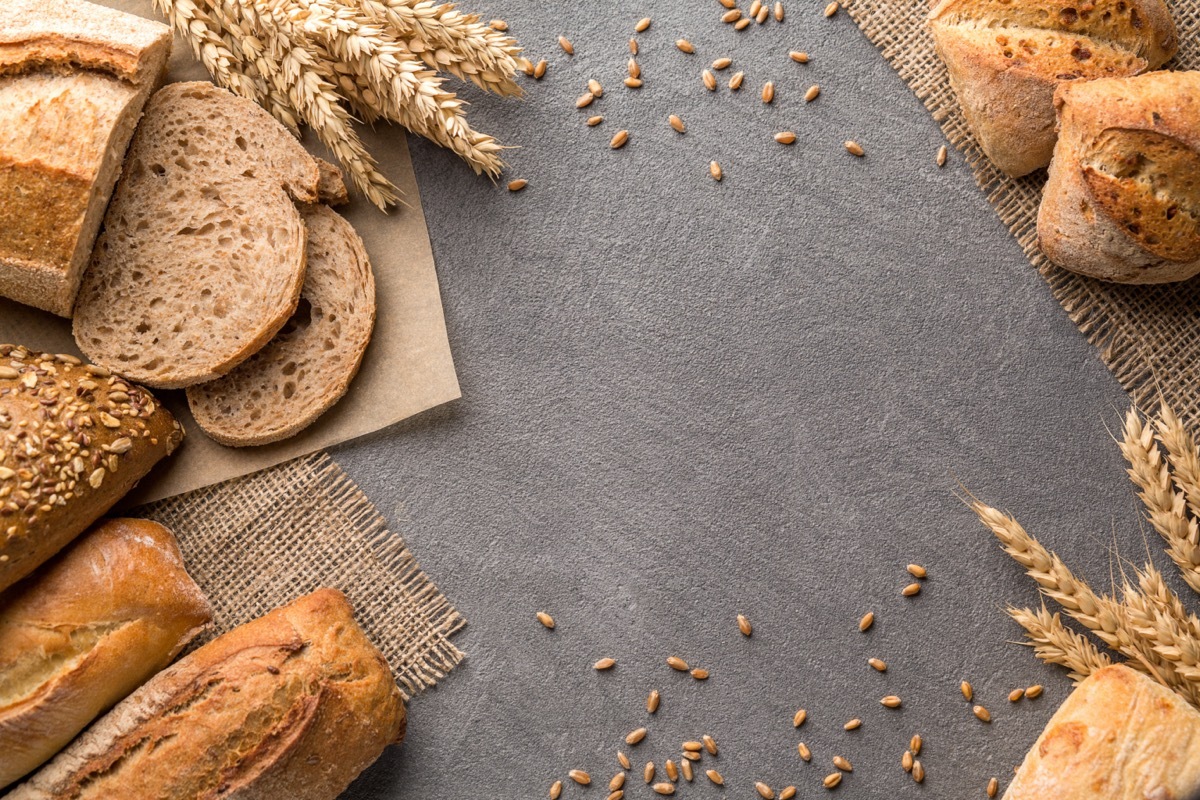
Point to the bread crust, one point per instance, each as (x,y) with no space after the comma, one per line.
(1005,60)
(74,439)
(85,630)
(1119,736)
(1122,202)
(294,705)
(73,79)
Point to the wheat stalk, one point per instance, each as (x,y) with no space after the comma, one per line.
(1104,616)
(1055,643)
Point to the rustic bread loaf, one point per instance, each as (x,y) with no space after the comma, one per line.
(1006,57)
(292,705)
(309,365)
(1119,736)
(74,440)
(73,79)
(1123,199)
(202,255)
(85,630)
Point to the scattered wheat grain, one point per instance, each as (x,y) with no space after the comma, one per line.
(516,186)
(685,46)
(843,764)
(1015,695)
(799,718)
(735,82)
(1034,692)
(671,770)
(710,80)
(918,771)
(722,62)
(605,663)
(663,788)
(832,9)
(891,701)
(868,619)
(741,24)
(852,725)
(556,790)
(906,761)
(566,45)
(813,93)
(917,571)
(685,767)
(715,777)
(648,772)
(634,83)
(913,589)
(539,71)
(635,736)
(594,121)
(779,12)
(768,92)
(731,16)
(585,100)
(744,625)
(877,664)
(710,744)
(993,787)
(799,56)
(714,170)
(643,25)
(785,137)
(652,701)
(677,663)
(700,674)
(914,744)
(832,780)
(805,753)
(635,71)
(968,691)
(623,760)
(595,88)
(764,791)
(982,713)
(580,777)
(942,153)
(616,782)
(618,141)
(542,616)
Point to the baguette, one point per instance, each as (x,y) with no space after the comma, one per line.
(73,79)
(292,705)
(1123,199)
(87,629)
(74,439)
(1006,57)
(1119,736)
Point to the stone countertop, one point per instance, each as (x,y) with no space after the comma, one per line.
(685,400)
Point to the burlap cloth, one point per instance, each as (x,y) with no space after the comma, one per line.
(258,542)
(1149,336)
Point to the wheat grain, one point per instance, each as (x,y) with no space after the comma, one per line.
(556,790)
(710,80)
(868,619)
(832,780)
(1034,692)
(735,82)
(731,16)
(722,63)
(616,782)
(742,24)
(805,753)
(715,777)
(764,791)
(516,186)
(642,25)
(779,12)
(685,46)
(768,92)
(566,45)
(832,9)
(580,777)
(843,764)
(798,56)
(915,744)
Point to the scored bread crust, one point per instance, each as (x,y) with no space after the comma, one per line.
(202,256)
(1119,736)
(87,629)
(74,439)
(292,705)
(1005,58)
(309,365)
(1122,202)
(73,79)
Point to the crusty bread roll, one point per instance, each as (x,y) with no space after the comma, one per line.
(73,79)
(74,439)
(202,255)
(87,629)
(1006,58)
(1123,199)
(292,705)
(1119,736)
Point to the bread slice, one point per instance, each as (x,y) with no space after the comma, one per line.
(1005,59)
(87,629)
(308,366)
(291,706)
(1122,202)
(202,255)
(73,79)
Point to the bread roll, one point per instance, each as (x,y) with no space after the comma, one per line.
(1119,736)
(1006,58)
(74,440)
(292,705)
(1123,199)
(87,629)
(73,79)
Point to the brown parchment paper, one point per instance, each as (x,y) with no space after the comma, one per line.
(407,369)
(1149,336)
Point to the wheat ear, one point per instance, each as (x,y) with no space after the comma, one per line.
(1160,616)
(1185,472)
(450,41)
(1165,507)
(1055,643)
(1104,616)
(315,98)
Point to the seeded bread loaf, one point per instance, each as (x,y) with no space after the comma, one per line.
(202,255)
(1123,199)
(309,365)
(73,79)
(1119,736)
(74,440)
(1006,58)
(292,705)
(85,630)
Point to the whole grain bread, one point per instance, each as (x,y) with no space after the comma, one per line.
(74,439)
(73,79)
(85,630)
(202,255)
(1119,736)
(309,365)
(1123,199)
(292,705)
(1006,58)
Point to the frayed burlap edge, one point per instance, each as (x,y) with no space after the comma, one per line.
(258,542)
(1148,336)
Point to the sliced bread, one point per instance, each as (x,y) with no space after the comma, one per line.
(202,255)
(73,79)
(308,366)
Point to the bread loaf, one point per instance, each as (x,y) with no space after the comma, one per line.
(1123,199)
(293,705)
(1119,736)
(74,440)
(86,629)
(73,79)
(1006,57)
(309,365)
(202,255)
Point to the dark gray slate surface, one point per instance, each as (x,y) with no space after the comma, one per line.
(684,400)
